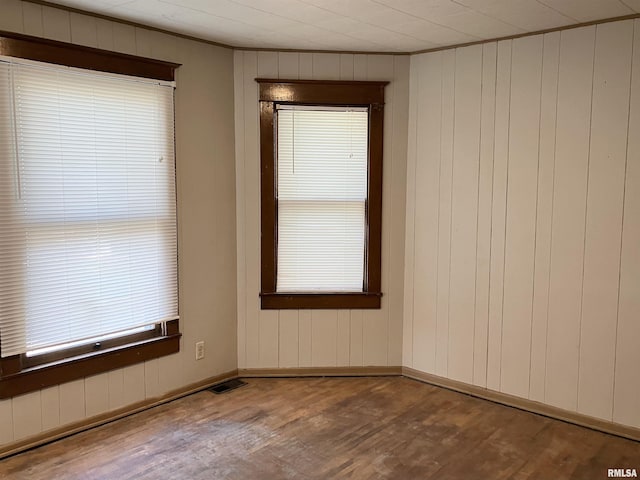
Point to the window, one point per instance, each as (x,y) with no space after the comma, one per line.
(88,249)
(321,193)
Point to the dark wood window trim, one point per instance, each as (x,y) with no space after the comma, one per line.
(313,92)
(20,374)
(62,53)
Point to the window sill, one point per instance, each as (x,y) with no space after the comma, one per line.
(73,368)
(337,300)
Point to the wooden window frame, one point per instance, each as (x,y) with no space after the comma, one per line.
(335,93)
(21,374)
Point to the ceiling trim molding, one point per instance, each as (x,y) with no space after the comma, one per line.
(530,34)
(353,52)
(301,50)
(80,11)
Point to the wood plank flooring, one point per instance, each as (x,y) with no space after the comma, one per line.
(322,428)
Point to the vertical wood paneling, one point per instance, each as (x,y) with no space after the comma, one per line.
(324,334)
(116,389)
(288,341)
(415,80)
(144,42)
(288,65)
(32,14)
(268,321)
(6,420)
(397,196)
(96,394)
(124,38)
(241,261)
(355,338)
(426,183)
(83,30)
(133,384)
(346,66)
(627,387)
(485,189)
(64,404)
(498,213)
(376,322)
(374,337)
(251,161)
(172,371)
(343,340)
(267,65)
(11,18)
(380,67)
(269,326)
(50,403)
(151,379)
(570,193)
(444,213)
(304,338)
(305,67)
(546,165)
(56,24)
(72,402)
(205,69)
(360,67)
(105,34)
(603,231)
(288,68)
(464,212)
(165,47)
(27,415)
(522,189)
(326,66)
(317,338)
(556,261)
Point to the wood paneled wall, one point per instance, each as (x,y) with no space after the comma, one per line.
(206,216)
(523,218)
(316,338)
(518,268)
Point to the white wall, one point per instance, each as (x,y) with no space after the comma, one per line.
(523,218)
(521,268)
(313,338)
(206,216)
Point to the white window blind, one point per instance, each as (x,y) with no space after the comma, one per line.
(321,198)
(87,205)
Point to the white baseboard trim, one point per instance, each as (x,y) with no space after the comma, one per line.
(96,421)
(525,404)
(320,372)
(486,394)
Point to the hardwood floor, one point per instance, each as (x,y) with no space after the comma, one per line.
(320,428)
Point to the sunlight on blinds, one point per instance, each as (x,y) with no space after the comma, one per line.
(321,195)
(87,205)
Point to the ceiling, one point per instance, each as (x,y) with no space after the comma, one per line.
(355,25)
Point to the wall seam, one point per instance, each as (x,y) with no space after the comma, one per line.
(475,276)
(624,194)
(535,231)
(586,218)
(506,209)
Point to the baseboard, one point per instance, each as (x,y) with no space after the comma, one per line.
(88,423)
(525,404)
(491,395)
(320,372)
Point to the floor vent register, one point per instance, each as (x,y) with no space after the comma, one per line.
(227,386)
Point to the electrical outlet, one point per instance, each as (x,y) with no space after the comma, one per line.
(199,350)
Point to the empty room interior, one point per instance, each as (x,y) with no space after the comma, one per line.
(268,239)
